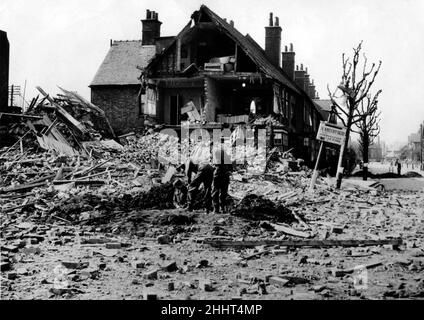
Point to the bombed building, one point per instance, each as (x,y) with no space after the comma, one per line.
(210,76)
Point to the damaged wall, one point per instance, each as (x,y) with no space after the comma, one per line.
(4,69)
(120,105)
(172,100)
(213,94)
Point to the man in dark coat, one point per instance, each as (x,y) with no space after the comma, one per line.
(399,166)
(221,180)
(204,176)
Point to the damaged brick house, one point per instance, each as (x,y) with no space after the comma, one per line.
(224,77)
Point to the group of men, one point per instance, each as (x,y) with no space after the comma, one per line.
(215,179)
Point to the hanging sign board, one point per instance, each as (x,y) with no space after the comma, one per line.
(331,133)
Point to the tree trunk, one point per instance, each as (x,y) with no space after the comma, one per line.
(365,145)
(349,124)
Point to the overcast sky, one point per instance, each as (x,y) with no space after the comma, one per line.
(63,42)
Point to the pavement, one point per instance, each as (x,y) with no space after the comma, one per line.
(407,184)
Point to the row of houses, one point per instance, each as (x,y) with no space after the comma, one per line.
(212,73)
(414,149)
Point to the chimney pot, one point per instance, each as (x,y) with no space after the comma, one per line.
(270,19)
(285,47)
(277,21)
(147,14)
(291,47)
(306,69)
(232,23)
(297,67)
(301,66)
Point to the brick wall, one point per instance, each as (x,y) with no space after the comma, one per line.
(213,98)
(120,105)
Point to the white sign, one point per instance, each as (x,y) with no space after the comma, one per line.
(331,133)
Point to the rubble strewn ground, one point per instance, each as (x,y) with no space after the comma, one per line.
(101,224)
(89,241)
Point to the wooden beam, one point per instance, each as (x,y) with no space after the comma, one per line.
(80,182)
(178,53)
(290,231)
(342,272)
(304,243)
(20,115)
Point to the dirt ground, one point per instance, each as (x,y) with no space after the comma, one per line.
(130,257)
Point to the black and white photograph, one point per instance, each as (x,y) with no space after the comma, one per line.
(205,150)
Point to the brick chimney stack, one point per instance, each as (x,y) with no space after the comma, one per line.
(312,93)
(299,76)
(288,57)
(151,28)
(306,81)
(273,41)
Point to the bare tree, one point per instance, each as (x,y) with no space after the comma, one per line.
(368,128)
(355,85)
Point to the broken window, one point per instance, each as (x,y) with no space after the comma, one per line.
(149,105)
(278,139)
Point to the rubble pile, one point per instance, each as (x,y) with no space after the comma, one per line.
(67,124)
(256,207)
(100,208)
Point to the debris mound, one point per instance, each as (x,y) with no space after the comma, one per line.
(158,197)
(412,174)
(175,219)
(255,207)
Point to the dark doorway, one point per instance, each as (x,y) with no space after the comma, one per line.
(175,109)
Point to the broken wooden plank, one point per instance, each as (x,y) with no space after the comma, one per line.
(187,108)
(254,255)
(18,207)
(20,115)
(74,123)
(304,243)
(342,272)
(23,188)
(290,231)
(80,182)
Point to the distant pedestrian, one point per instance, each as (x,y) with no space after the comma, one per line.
(399,167)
